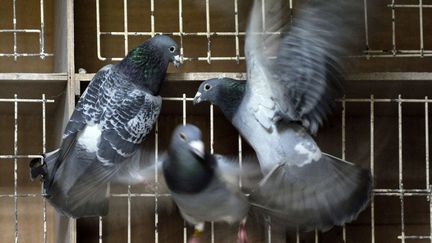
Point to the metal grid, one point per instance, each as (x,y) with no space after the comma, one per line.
(394,51)
(400,192)
(14,31)
(181,32)
(15,156)
(370,51)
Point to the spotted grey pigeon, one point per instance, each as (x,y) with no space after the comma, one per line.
(292,81)
(200,185)
(113,116)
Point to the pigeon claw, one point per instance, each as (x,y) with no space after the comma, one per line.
(241,235)
(196,236)
(37,168)
(194,239)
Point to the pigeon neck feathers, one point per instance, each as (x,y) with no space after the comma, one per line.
(145,66)
(187,173)
(229,96)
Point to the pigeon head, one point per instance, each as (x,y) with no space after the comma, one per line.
(163,45)
(209,90)
(168,47)
(188,137)
(187,169)
(146,64)
(226,93)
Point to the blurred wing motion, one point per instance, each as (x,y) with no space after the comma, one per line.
(197,186)
(317,195)
(141,168)
(229,169)
(296,75)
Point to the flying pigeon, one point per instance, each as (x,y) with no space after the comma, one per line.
(292,80)
(200,185)
(111,119)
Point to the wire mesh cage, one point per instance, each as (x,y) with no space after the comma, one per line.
(205,23)
(26,31)
(382,123)
(19,28)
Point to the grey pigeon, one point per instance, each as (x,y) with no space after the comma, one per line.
(198,183)
(113,116)
(284,100)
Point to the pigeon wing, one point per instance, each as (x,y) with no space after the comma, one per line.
(295,75)
(126,123)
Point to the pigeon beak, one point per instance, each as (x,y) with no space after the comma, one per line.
(197,147)
(177,61)
(197,98)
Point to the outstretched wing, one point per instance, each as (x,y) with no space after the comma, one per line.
(317,195)
(296,75)
(229,170)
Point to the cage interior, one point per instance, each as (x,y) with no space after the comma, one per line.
(49,50)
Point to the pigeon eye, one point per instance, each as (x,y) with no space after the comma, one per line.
(183,136)
(172,49)
(207,87)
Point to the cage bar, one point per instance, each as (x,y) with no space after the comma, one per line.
(185,236)
(125,25)
(366,27)
(212,236)
(402,210)
(401,192)
(372,164)
(40,32)
(207,3)
(180,9)
(343,158)
(100,229)
(369,52)
(428,186)
(44,207)
(211,55)
(16,168)
(393,27)
(156,179)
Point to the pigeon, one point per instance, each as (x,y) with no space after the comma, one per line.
(111,119)
(200,185)
(293,79)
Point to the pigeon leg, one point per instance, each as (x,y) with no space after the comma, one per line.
(241,235)
(196,235)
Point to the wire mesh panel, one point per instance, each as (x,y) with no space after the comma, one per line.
(20,200)
(373,132)
(390,136)
(400,163)
(391,28)
(15,26)
(193,22)
(409,22)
